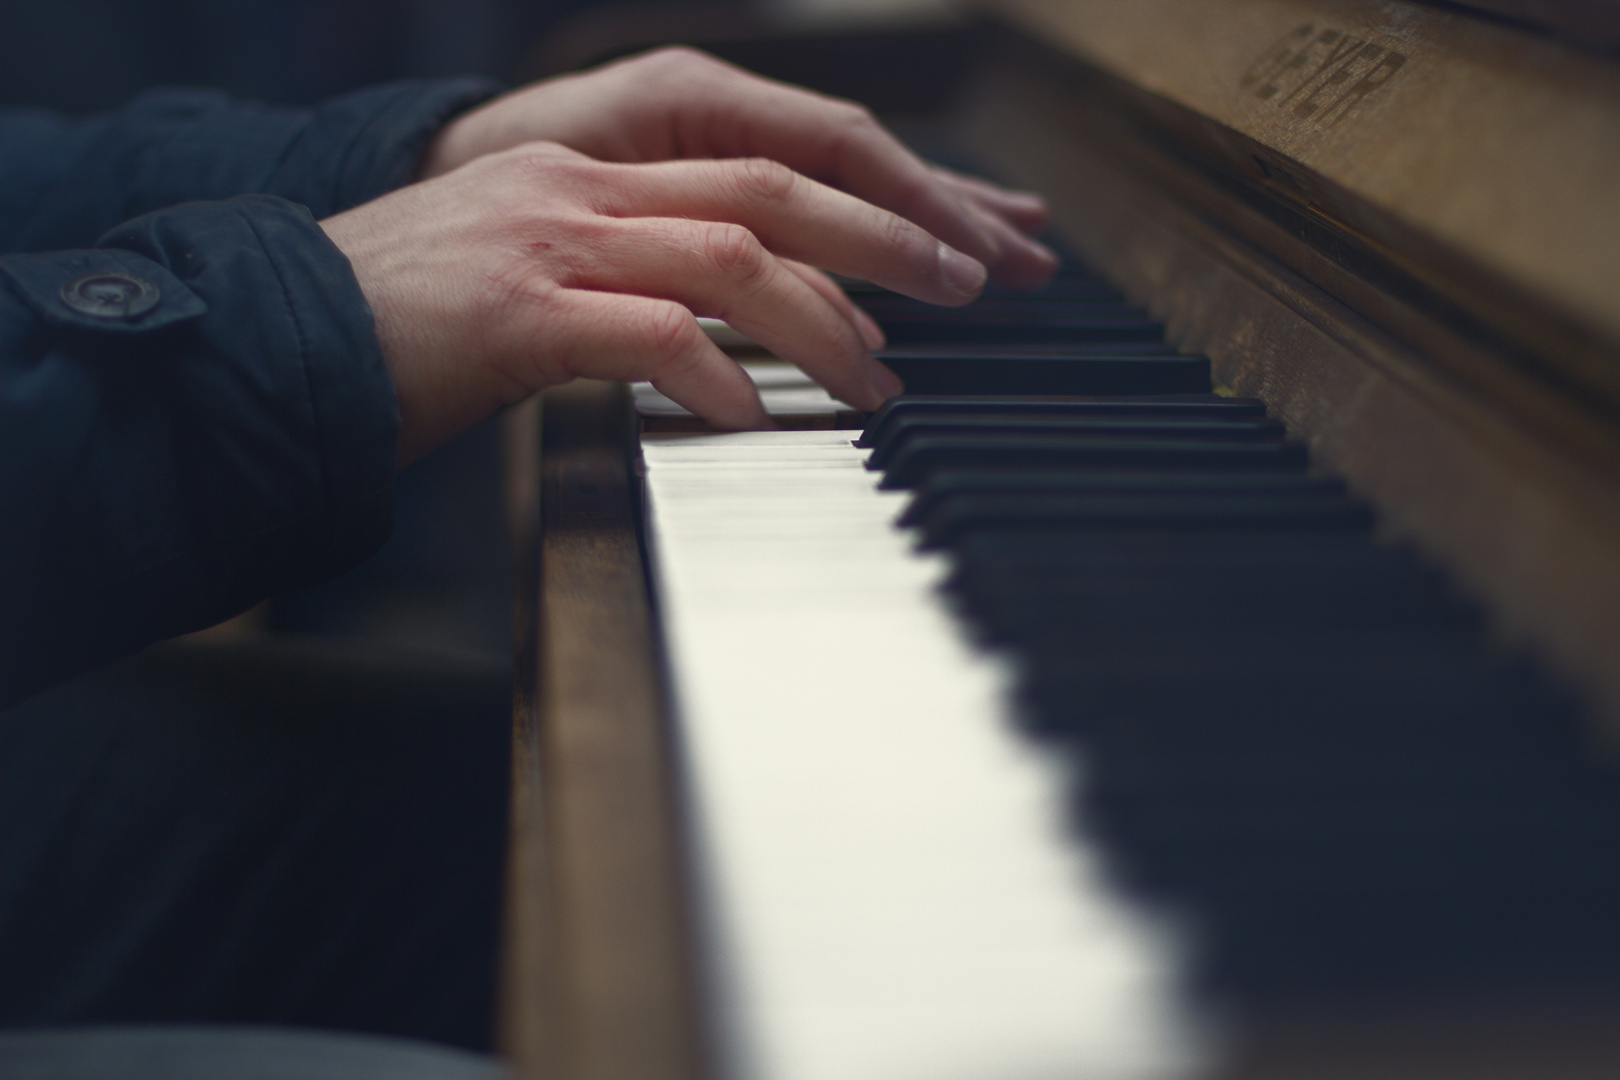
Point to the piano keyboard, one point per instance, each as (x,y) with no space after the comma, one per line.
(891,888)
(1025,735)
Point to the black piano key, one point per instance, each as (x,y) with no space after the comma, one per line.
(1219,511)
(912,412)
(1208,426)
(1020,366)
(1077,286)
(1062,608)
(921,456)
(942,486)
(1021,329)
(1033,350)
(1071,281)
(913,408)
(1296,735)
(991,308)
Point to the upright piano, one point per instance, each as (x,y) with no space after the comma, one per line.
(1210,668)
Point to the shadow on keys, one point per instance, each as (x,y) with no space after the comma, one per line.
(1391,842)
(1302,745)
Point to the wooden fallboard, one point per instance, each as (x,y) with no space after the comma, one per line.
(1422,279)
(1483,159)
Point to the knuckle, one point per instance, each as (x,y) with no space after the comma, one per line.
(764,180)
(734,252)
(679,66)
(534,163)
(547,162)
(673,333)
(853,116)
(914,192)
(681,57)
(895,233)
(515,298)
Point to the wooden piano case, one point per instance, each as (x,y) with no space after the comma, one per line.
(1399,225)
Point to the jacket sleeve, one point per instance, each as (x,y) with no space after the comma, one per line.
(194,412)
(163,469)
(67,181)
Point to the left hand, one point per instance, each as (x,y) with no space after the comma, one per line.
(680,103)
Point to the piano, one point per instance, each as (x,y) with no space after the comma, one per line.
(1210,669)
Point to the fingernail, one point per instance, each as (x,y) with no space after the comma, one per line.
(885,382)
(964,274)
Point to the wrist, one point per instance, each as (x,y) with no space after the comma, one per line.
(441,153)
(464,137)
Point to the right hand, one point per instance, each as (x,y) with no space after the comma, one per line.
(677,103)
(530,267)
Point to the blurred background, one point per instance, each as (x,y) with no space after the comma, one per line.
(94,54)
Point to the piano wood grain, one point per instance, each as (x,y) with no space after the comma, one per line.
(1480,157)
(1501,471)
(598,979)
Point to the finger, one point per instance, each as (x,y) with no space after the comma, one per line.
(871,333)
(1024,263)
(1021,260)
(1023,209)
(844,146)
(723,271)
(629,338)
(834,141)
(717,110)
(796,218)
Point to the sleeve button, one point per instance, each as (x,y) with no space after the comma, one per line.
(110,295)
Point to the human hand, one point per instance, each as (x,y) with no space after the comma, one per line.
(679,103)
(532,266)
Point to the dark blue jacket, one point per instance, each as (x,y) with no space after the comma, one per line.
(163,470)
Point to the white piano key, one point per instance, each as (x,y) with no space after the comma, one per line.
(891,890)
(784,389)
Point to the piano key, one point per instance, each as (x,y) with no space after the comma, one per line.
(787,393)
(1023,367)
(942,486)
(892,887)
(1143,425)
(1223,511)
(1164,406)
(1326,809)
(1021,329)
(1278,724)
(1002,308)
(921,456)
(1069,282)
(1034,350)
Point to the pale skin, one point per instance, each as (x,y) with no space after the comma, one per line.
(578,227)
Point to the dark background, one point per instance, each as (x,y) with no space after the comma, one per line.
(83,55)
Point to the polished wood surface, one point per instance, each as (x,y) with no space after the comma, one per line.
(1482,451)
(599,983)
(1483,157)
